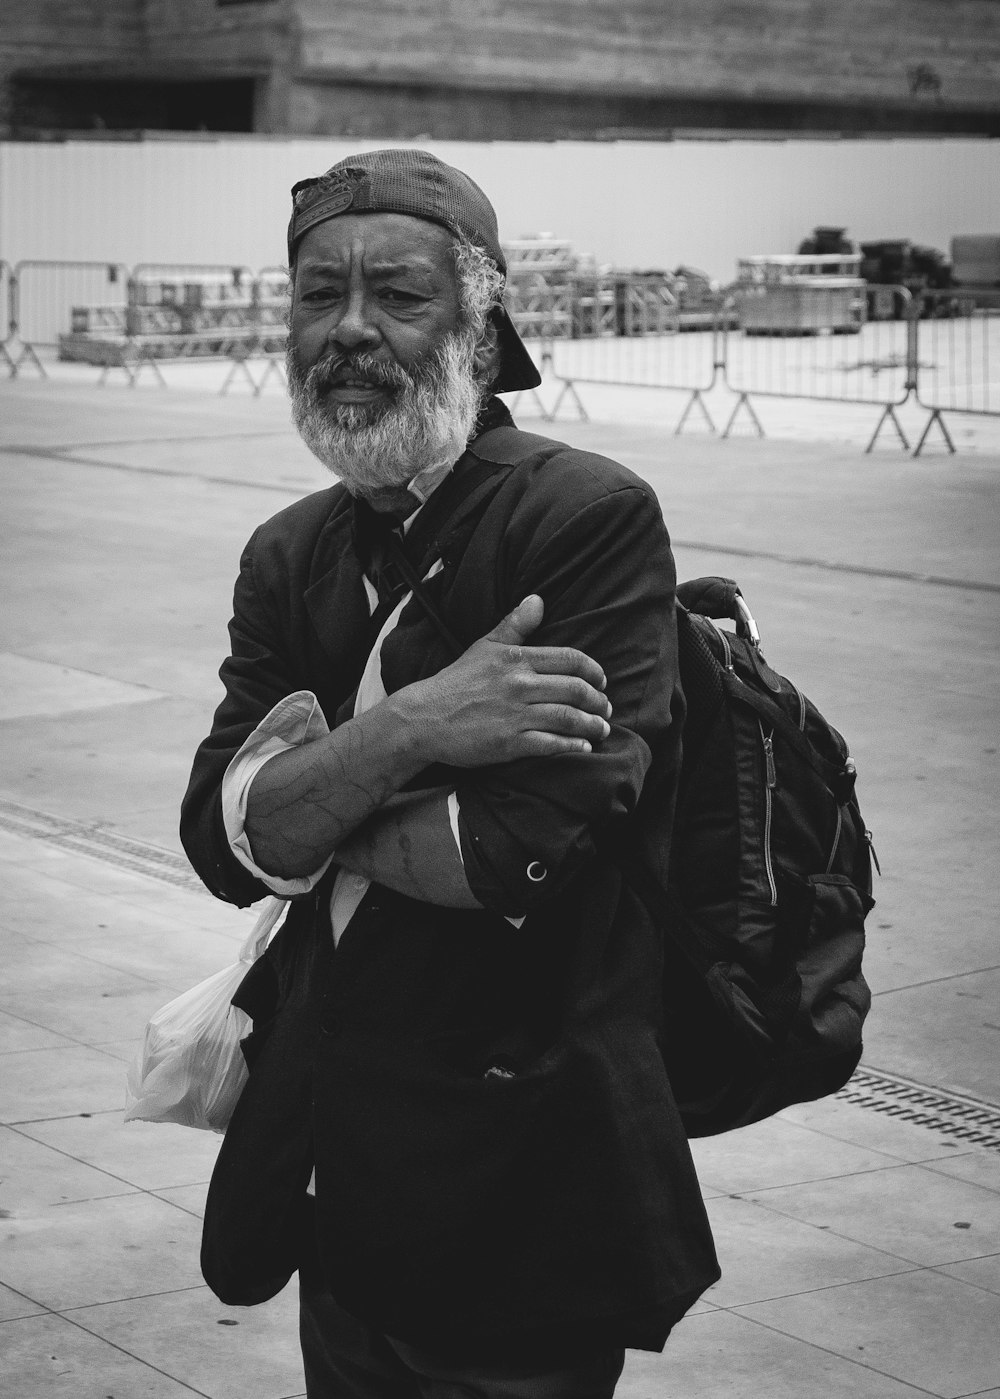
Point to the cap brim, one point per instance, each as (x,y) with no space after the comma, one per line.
(517,368)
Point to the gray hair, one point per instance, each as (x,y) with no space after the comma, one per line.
(480,284)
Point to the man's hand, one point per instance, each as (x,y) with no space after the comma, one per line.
(499,701)
(503,699)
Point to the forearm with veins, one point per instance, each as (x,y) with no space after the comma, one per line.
(303,803)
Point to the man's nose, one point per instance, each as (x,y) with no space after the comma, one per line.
(355,328)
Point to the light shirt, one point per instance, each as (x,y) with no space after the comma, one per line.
(295,720)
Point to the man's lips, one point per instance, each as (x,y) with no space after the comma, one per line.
(350,386)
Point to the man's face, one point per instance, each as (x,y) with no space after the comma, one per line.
(383,284)
(380,364)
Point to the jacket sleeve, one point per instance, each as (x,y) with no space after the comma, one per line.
(606,575)
(256,675)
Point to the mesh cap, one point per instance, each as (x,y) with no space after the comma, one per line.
(416,183)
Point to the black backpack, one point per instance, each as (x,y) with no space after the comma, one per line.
(770,868)
(769,885)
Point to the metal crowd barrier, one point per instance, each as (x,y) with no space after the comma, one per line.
(7,328)
(42,294)
(269,319)
(628,330)
(687,362)
(639,336)
(107,316)
(817,351)
(47,295)
(181,311)
(958,355)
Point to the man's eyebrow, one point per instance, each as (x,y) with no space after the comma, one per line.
(416,264)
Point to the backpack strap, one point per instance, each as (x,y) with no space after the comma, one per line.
(415,584)
(478,474)
(468,486)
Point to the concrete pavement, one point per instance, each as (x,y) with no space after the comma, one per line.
(860,1237)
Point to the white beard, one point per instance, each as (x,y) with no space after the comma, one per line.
(427,421)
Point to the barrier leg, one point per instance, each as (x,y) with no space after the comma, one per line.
(27,353)
(121,364)
(935,417)
(238,365)
(132,361)
(146,362)
(8,361)
(568,388)
(889,415)
(696,398)
(272,367)
(744,402)
(543,412)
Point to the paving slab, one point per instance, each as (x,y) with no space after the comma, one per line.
(222,1345)
(48,1357)
(914,1214)
(154,1156)
(779,1152)
(721,1354)
(923,1328)
(764,1255)
(147,1247)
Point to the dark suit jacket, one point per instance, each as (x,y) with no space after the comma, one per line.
(556,1206)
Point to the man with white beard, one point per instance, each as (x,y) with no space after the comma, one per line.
(451,721)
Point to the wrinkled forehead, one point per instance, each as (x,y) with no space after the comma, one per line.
(379,241)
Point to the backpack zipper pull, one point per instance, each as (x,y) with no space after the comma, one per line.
(772,776)
(871,847)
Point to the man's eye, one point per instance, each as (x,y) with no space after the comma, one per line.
(399,296)
(321,294)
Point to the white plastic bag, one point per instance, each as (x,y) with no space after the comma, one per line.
(191,1068)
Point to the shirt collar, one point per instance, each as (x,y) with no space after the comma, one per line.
(426,482)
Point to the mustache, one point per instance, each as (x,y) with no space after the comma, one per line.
(360,365)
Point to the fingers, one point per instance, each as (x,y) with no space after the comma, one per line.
(518,625)
(538,743)
(566,690)
(564,660)
(568,723)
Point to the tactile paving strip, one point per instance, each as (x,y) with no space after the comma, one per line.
(949,1114)
(107,845)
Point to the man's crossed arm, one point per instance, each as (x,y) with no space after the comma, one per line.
(500,701)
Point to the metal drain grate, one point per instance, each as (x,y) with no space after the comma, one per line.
(950,1114)
(109,846)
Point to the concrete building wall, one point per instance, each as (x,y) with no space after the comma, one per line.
(200,36)
(36,35)
(133,64)
(631,204)
(839,50)
(513,69)
(524,69)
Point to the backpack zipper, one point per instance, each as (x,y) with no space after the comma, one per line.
(771,781)
(836,840)
(802,706)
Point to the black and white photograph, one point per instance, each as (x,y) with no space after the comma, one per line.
(499,781)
